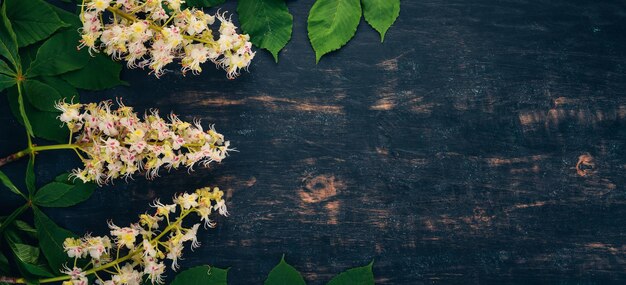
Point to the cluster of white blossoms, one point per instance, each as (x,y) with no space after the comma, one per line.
(147,244)
(117,143)
(154,33)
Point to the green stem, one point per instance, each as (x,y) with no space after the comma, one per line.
(20,100)
(54,146)
(168,20)
(33,149)
(112,263)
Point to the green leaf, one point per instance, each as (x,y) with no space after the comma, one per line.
(42,96)
(4,264)
(107,70)
(51,238)
(268,23)
(20,226)
(25,228)
(381,14)
(65,89)
(331,24)
(65,178)
(63,194)
(52,195)
(284,274)
(205,275)
(68,17)
(59,55)
(32,20)
(7,182)
(36,269)
(6,82)
(9,220)
(204,3)
(5,69)
(27,257)
(28,53)
(45,124)
(8,43)
(26,253)
(355,276)
(30,176)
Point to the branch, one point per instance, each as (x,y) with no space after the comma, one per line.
(8,279)
(13,157)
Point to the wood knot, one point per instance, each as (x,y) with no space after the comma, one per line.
(585,165)
(320,188)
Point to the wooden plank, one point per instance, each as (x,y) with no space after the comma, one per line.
(483,142)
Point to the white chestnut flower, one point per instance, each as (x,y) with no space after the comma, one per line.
(140,253)
(116,143)
(144,35)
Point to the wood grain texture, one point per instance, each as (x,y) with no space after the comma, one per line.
(482,143)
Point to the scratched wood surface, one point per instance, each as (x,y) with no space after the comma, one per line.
(482,143)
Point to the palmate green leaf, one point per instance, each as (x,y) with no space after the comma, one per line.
(63,192)
(205,275)
(32,20)
(42,96)
(203,3)
(108,71)
(8,43)
(7,182)
(268,22)
(355,276)
(59,51)
(284,274)
(45,124)
(51,238)
(58,55)
(381,14)
(108,74)
(331,24)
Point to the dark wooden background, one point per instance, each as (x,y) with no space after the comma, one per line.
(482,143)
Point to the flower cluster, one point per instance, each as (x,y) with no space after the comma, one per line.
(154,33)
(119,144)
(146,245)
